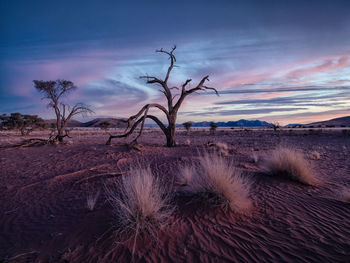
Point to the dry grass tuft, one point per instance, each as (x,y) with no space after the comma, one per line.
(315,155)
(142,205)
(216,180)
(254,157)
(345,194)
(222,148)
(186,175)
(91,200)
(292,164)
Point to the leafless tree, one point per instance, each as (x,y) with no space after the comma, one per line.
(172,108)
(275,125)
(55,91)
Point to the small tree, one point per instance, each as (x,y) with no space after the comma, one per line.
(55,91)
(275,125)
(24,123)
(213,127)
(105,125)
(188,126)
(172,105)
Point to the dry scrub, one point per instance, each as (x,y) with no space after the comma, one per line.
(217,181)
(292,164)
(141,206)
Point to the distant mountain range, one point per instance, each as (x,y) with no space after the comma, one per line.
(240,123)
(117,123)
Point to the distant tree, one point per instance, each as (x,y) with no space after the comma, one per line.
(54,91)
(24,123)
(188,126)
(172,105)
(105,125)
(275,125)
(213,127)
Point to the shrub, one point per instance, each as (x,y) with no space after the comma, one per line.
(216,181)
(292,164)
(188,126)
(142,205)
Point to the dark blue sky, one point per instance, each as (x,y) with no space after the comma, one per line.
(263,55)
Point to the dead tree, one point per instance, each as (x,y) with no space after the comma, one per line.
(275,125)
(172,106)
(54,91)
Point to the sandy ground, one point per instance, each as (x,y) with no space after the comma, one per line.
(44,216)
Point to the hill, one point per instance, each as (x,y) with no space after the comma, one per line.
(337,122)
(113,123)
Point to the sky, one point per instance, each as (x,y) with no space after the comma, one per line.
(284,61)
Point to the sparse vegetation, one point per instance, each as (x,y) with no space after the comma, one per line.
(141,205)
(292,164)
(217,182)
(24,123)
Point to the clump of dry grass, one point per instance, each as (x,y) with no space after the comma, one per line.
(345,194)
(222,148)
(186,174)
(217,181)
(292,164)
(254,157)
(91,200)
(315,155)
(142,205)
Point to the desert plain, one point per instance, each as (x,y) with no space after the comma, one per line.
(44,216)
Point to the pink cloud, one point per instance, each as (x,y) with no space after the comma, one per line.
(327,65)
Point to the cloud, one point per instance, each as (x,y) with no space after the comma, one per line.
(327,65)
(110,96)
(240,112)
(281,89)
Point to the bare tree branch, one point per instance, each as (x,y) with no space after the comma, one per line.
(171,111)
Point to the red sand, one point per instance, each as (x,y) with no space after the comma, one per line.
(43,214)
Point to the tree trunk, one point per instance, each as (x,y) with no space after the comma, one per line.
(171,135)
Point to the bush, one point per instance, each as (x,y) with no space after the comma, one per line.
(292,164)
